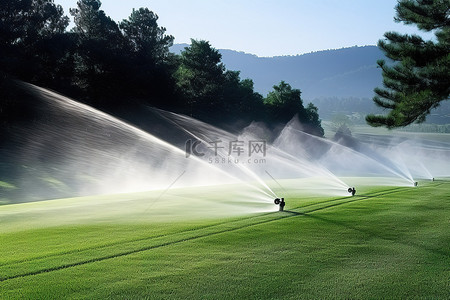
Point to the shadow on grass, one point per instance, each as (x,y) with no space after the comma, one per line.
(294,213)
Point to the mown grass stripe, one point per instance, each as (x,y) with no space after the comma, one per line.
(39,257)
(65,266)
(274,216)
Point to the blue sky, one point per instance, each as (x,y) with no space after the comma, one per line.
(268,27)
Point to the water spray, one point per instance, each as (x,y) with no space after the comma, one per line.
(280,202)
(352,191)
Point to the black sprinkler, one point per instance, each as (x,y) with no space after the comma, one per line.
(352,191)
(416,183)
(280,202)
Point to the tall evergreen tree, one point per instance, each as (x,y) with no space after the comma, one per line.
(150,63)
(148,40)
(212,93)
(241,102)
(313,122)
(283,103)
(101,55)
(418,78)
(28,30)
(200,79)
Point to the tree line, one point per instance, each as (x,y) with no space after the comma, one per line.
(115,66)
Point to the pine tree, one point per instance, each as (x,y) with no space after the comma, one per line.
(418,77)
(284,102)
(101,53)
(200,78)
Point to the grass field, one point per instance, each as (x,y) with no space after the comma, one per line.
(385,242)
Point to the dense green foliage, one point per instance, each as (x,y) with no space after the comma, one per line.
(33,45)
(419,77)
(284,100)
(384,243)
(211,92)
(117,67)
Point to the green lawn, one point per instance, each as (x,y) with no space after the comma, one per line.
(385,242)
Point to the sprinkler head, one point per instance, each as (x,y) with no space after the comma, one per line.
(416,183)
(280,202)
(352,191)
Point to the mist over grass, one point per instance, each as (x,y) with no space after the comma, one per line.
(75,150)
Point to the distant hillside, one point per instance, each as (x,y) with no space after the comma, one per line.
(347,72)
(337,81)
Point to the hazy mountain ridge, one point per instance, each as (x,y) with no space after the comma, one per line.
(337,81)
(346,72)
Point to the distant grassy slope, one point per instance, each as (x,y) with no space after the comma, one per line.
(382,243)
(359,130)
